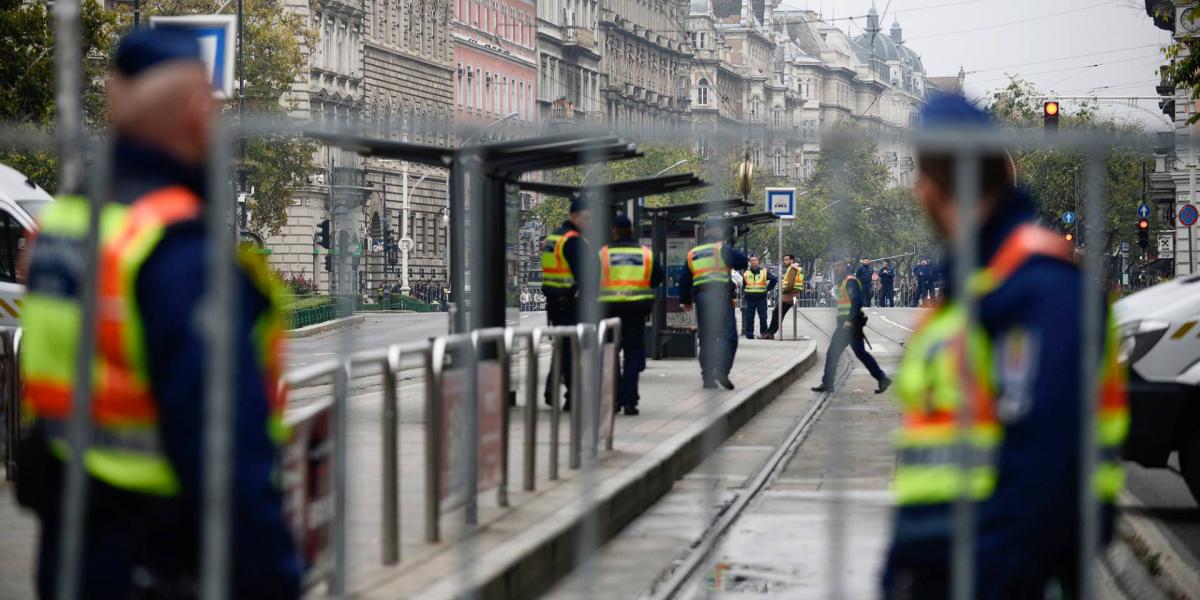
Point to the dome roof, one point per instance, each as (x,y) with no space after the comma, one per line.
(885,48)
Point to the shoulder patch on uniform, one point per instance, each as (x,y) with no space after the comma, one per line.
(1015,358)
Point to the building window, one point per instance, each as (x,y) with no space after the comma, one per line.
(778,116)
(702,93)
(755,108)
(777,168)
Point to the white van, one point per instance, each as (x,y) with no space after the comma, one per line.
(21,201)
(1160,342)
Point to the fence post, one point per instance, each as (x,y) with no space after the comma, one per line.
(531,385)
(555,403)
(506,348)
(617,333)
(12,407)
(391,459)
(579,394)
(341,411)
(433,417)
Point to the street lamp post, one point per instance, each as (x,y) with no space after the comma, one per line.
(406,242)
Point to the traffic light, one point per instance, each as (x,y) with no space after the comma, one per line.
(329,262)
(323,235)
(1050,113)
(1070,235)
(1143,233)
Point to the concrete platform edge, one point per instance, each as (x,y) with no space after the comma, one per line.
(1154,553)
(327,326)
(502,573)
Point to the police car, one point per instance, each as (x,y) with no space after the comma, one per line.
(1160,343)
(21,201)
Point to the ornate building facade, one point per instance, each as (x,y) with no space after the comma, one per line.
(568,62)
(644,62)
(496,63)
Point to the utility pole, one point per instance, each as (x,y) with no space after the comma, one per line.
(245,222)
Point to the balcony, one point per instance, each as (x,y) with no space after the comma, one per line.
(579,37)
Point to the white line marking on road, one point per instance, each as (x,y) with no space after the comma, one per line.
(895,323)
(526,316)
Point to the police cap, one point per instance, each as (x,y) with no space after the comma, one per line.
(148,48)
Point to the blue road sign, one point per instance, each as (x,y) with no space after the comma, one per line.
(1068,217)
(781,202)
(1143,212)
(1187,215)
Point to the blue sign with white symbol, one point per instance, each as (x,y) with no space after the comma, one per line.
(1187,215)
(1143,212)
(781,202)
(1068,217)
(216,35)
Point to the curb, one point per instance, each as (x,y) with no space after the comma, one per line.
(332,325)
(530,563)
(1155,556)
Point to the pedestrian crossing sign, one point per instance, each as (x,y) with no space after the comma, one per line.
(781,202)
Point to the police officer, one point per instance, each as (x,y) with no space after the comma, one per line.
(757,284)
(1017,364)
(706,281)
(628,276)
(864,275)
(145,461)
(849,332)
(793,284)
(564,253)
(887,290)
(922,273)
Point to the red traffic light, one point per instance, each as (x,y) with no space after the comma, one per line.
(1050,109)
(1143,224)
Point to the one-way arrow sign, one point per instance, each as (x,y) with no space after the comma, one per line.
(1143,212)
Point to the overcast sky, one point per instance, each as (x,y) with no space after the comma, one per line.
(1072,47)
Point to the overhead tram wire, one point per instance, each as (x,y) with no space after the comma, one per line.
(1051,60)
(1017,22)
(1071,68)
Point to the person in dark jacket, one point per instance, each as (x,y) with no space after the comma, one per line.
(849,332)
(757,285)
(147,545)
(567,257)
(863,274)
(1026,533)
(629,275)
(887,290)
(706,282)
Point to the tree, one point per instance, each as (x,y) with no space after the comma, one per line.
(552,210)
(27,95)
(1057,178)
(274,43)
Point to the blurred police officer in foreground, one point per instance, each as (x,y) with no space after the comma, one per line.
(1018,367)
(628,276)
(757,284)
(793,284)
(566,256)
(849,332)
(707,282)
(146,462)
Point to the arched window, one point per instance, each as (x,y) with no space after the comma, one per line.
(755,108)
(778,116)
(777,162)
(702,92)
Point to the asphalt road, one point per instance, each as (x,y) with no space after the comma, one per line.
(1163,496)
(380,331)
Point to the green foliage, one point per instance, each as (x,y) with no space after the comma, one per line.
(1182,63)
(27,70)
(274,43)
(1057,178)
(552,211)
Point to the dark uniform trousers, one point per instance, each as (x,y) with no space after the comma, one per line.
(561,309)
(848,337)
(774,328)
(633,348)
(887,294)
(718,331)
(756,304)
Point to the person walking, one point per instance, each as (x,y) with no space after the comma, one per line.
(864,274)
(921,273)
(706,282)
(566,257)
(628,276)
(793,284)
(887,279)
(849,332)
(1016,363)
(145,460)
(757,284)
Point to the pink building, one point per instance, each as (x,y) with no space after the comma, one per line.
(496,60)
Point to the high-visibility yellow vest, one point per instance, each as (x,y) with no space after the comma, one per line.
(946,363)
(755,284)
(556,272)
(707,265)
(625,274)
(125,449)
(844,303)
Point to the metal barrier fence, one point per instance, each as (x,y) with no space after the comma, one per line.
(442,359)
